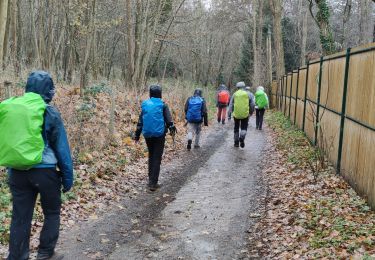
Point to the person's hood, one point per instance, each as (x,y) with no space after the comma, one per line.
(198,92)
(155,91)
(222,87)
(40,82)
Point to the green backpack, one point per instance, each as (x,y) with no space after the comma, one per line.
(241,104)
(261,99)
(21,122)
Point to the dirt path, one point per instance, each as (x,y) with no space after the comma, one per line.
(202,211)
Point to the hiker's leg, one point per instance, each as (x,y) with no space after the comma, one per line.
(219,113)
(244,125)
(158,153)
(198,129)
(150,147)
(191,129)
(257,115)
(49,184)
(261,116)
(236,130)
(224,113)
(23,197)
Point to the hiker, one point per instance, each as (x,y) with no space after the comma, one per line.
(261,103)
(154,122)
(222,102)
(242,106)
(36,145)
(195,114)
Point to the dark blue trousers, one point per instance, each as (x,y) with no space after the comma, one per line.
(155,147)
(25,187)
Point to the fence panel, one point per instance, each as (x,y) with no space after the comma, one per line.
(301,96)
(357,124)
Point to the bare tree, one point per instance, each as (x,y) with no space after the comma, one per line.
(3,23)
(276,9)
(366,22)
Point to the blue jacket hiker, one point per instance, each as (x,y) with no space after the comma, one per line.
(195,114)
(154,122)
(42,178)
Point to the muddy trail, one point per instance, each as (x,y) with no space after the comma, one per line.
(204,209)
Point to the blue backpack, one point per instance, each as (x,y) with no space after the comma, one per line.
(194,113)
(153,118)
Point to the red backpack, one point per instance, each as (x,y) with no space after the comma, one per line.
(223,97)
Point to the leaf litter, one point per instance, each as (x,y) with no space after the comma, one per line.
(307,217)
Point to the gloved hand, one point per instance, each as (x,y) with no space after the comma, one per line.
(67,185)
(66,182)
(172,130)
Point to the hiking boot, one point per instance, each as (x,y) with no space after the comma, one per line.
(154,187)
(218,120)
(197,146)
(257,127)
(236,144)
(55,256)
(189,145)
(242,143)
(223,122)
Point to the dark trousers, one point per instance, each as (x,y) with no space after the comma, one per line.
(259,117)
(25,186)
(155,147)
(243,124)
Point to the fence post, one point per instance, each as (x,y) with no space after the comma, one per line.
(304,101)
(343,110)
(295,109)
(318,101)
(290,94)
(286,89)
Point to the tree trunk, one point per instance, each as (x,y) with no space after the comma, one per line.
(366,22)
(302,27)
(254,41)
(3,23)
(277,36)
(345,19)
(130,40)
(84,63)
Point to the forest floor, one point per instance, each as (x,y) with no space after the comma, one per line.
(310,212)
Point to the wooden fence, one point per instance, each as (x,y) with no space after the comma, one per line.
(333,101)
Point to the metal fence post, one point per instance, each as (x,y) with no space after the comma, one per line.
(304,101)
(286,89)
(295,109)
(290,94)
(318,101)
(343,110)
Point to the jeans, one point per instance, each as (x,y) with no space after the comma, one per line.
(25,187)
(194,129)
(155,147)
(259,118)
(243,124)
(221,114)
